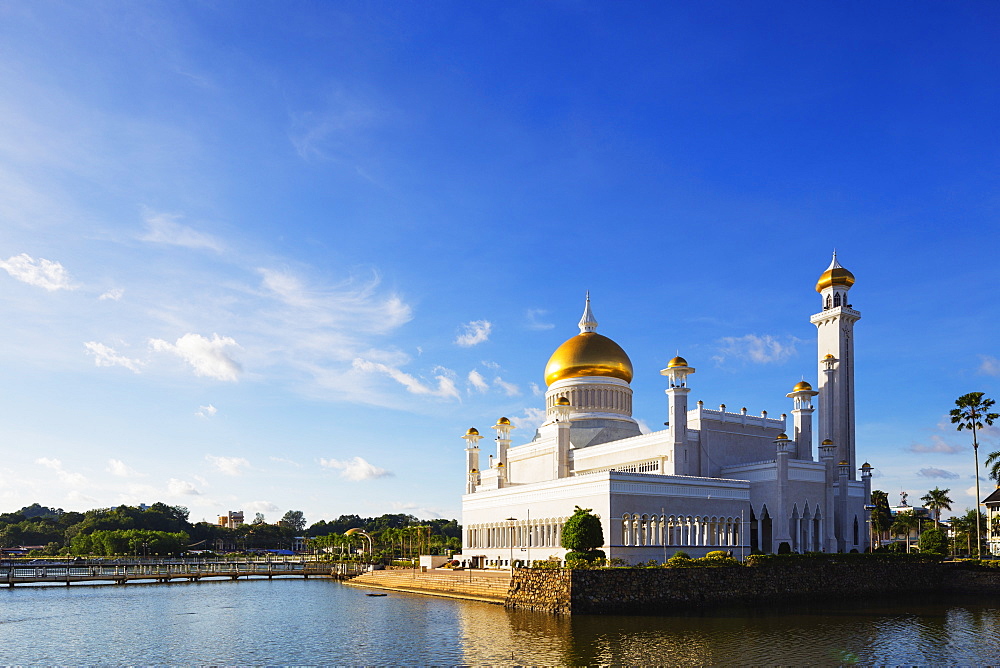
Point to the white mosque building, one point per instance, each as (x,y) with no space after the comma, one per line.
(712,480)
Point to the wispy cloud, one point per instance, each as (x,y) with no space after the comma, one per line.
(208,357)
(355,469)
(509,389)
(536,390)
(114,294)
(163,228)
(228,465)
(331,133)
(67,478)
(445,384)
(282,460)
(530,420)
(41,273)
(119,468)
(206,411)
(757,349)
(477,382)
(534,319)
(261,507)
(989,365)
(932,472)
(182,488)
(106,356)
(474,333)
(937,444)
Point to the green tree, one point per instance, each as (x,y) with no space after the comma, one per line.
(293,519)
(973,413)
(937,500)
(933,541)
(583,532)
(904,525)
(881,515)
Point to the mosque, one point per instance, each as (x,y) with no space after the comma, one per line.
(712,480)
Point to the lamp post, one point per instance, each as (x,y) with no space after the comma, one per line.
(371,544)
(511,541)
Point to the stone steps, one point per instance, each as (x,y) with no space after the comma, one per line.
(477,585)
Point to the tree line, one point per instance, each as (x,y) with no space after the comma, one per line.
(162,529)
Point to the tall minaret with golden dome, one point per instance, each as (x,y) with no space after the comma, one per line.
(835,338)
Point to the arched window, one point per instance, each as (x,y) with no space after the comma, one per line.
(855,529)
(836,299)
(828,303)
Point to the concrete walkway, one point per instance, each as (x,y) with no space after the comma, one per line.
(476,585)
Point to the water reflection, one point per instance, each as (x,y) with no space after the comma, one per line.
(843,634)
(319,622)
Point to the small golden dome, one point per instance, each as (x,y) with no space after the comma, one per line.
(503,420)
(588,354)
(826,441)
(562,401)
(472,432)
(834,275)
(782,437)
(844,462)
(676,362)
(474,471)
(802,386)
(866,465)
(829,356)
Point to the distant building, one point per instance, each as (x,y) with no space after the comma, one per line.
(713,479)
(232,519)
(992,528)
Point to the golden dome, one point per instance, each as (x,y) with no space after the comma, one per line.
(834,275)
(562,401)
(676,362)
(782,437)
(828,356)
(844,462)
(588,354)
(802,386)
(826,441)
(503,420)
(472,432)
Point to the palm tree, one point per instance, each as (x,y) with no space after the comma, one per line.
(905,523)
(972,413)
(937,500)
(993,464)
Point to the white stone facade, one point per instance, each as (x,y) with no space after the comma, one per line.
(714,479)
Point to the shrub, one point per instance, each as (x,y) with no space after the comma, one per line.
(682,553)
(934,541)
(717,554)
(592,555)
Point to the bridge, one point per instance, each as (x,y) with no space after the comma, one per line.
(124,571)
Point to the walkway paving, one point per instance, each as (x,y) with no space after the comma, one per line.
(489,586)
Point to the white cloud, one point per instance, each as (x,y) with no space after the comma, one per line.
(121,469)
(228,465)
(509,389)
(41,273)
(207,357)
(446,385)
(473,333)
(536,390)
(282,460)
(931,472)
(161,228)
(533,316)
(114,294)
(477,381)
(937,444)
(990,365)
(757,349)
(106,356)
(67,478)
(531,419)
(182,488)
(355,469)
(206,411)
(261,507)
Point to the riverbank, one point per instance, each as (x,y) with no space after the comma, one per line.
(665,590)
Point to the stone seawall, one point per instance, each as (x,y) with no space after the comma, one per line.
(638,590)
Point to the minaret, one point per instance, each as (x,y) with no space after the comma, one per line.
(503,428)
(563,409)
(802,411)
(827,454)
(835,338)
(783,448)
(677,371)
(472,459)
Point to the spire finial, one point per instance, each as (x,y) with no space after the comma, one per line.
(588,323)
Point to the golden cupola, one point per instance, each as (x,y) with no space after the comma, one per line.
(834,275)
(588,354)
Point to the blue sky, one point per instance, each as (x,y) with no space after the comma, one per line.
(273,256)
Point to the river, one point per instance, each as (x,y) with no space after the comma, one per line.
(322,622)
